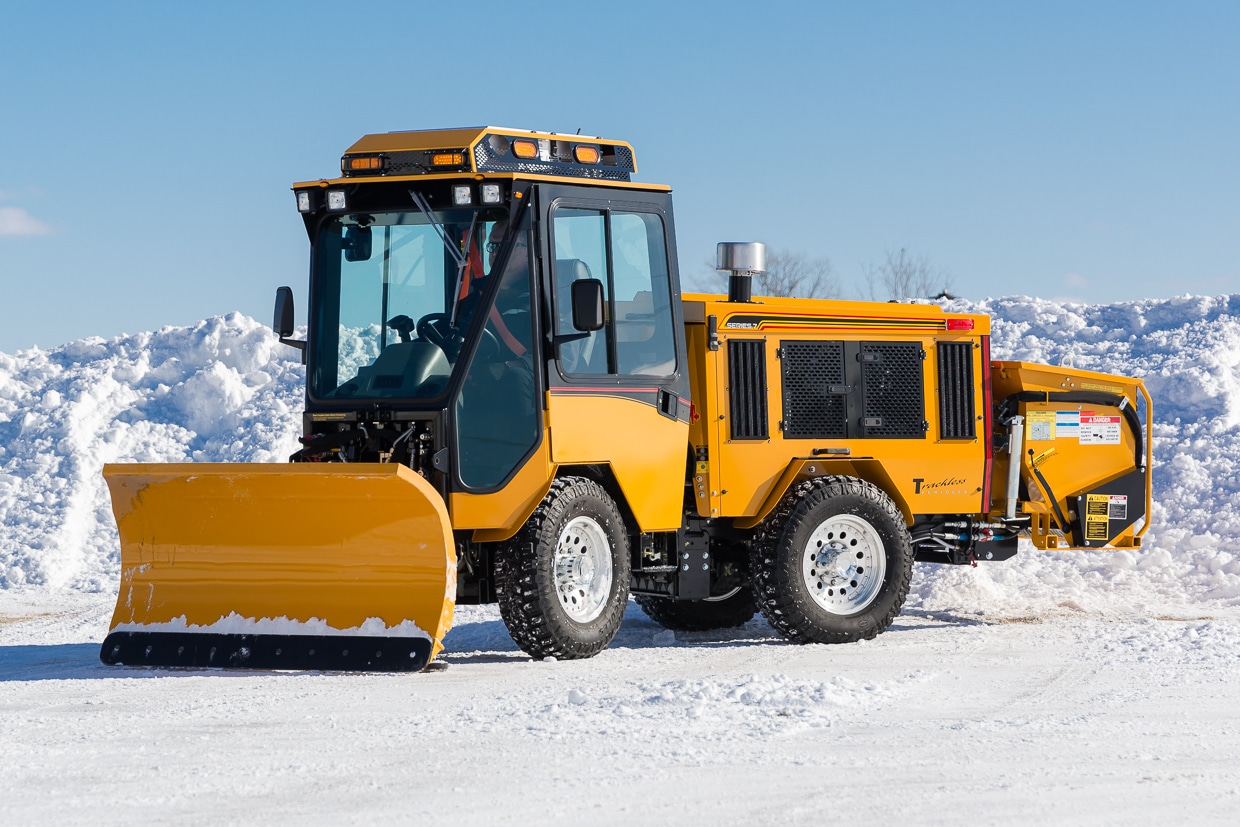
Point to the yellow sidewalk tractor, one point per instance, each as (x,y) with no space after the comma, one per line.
(510,400)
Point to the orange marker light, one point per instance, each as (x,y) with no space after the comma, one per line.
(525,149)
(586,154)
(371,162)
(447,159)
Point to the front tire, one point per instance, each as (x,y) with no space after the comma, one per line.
(833,563)
(563,581)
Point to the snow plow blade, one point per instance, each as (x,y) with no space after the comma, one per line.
(302,566)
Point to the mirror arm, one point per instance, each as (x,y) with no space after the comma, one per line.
(565,338)
(300,344)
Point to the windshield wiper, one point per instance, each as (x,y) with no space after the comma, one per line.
(461,259)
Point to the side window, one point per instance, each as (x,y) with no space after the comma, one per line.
(580,253)
(645,345)
(627,253)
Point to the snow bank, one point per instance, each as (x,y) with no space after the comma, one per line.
(226,390)
(222,390)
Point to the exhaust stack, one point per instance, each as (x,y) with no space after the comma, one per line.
(744,260)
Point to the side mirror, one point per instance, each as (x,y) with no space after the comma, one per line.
(588,304)
(283,322)
(356,244)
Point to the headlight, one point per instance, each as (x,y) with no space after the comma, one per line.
(335,200)
(303,201)
(462,195)
(490,193)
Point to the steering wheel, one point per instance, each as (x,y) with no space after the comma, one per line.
(437,329)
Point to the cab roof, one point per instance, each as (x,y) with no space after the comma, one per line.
(482,149)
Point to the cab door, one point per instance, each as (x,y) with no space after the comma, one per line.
(619,396)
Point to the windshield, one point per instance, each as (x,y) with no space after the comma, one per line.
(393,299)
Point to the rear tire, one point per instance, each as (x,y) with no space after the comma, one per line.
(700,615)
(833,563)
(563,581)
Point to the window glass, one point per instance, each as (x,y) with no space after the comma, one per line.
(580,253)
(497,414)
(638,339)
(380,279)
(645,345)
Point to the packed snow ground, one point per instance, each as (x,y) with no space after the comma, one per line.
(1086,687)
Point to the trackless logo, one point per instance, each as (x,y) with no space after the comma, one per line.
(948,485)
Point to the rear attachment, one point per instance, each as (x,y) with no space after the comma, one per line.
(302,566)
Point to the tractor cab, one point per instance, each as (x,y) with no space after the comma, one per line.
(459,275)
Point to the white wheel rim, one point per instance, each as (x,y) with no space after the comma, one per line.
(844,565)
(583,569)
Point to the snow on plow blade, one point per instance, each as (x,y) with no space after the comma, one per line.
(300,566)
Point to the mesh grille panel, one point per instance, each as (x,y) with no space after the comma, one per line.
(892,376)
(815,404)
(957,419)
(747,380)
(486,160)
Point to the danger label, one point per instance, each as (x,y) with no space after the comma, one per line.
(1099,430)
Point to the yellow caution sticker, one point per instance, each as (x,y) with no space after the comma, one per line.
(1043,457)
(1097,508)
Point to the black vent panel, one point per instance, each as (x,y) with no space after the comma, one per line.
(957,418)
(892,377)
(747,380)
(815,390)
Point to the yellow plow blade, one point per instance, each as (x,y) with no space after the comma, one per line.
(299,566)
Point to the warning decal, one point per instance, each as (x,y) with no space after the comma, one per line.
(1039,425)
(1068,424)
(1100,509)
(1099,430)
(1097,512)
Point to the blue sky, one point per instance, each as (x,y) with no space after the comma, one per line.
(1059,149)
